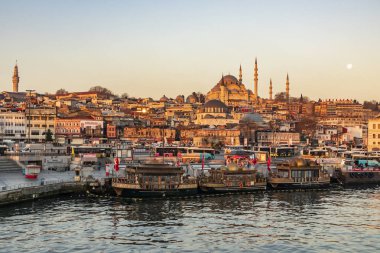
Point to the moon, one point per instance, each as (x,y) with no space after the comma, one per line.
(349,66)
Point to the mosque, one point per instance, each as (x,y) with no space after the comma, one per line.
(232,92)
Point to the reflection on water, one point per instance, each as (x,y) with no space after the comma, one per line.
(336,220)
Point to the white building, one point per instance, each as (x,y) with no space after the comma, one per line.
(12,125)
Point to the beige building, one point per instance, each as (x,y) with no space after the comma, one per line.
(276,138)
(231,92)
(215,113)
(374,134)
(39,121)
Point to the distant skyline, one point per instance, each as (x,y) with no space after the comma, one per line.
(153,48)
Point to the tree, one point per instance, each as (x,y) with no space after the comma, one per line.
(124,95)
(61,92)
(102,91)
(373,105)
(49,136)
(280,97)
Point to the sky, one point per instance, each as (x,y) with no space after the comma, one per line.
(155,48)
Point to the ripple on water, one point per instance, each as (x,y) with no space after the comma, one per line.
(288,222)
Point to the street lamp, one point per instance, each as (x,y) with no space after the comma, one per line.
(29,102)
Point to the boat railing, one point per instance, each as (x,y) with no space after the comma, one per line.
(149,185)
(305,179)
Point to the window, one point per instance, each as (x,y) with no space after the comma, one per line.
(374,126)
(374,136)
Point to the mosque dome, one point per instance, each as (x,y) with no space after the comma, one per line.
(229,79)
(215,106)
(253,118)
(191,99)
(164,99)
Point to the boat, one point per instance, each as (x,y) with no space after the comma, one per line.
(359,170)
(231,178)
(298,174)
(154,179)
(32,171)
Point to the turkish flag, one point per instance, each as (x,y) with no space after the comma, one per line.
(268,164)
(116,166)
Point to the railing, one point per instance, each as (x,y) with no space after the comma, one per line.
(34,184)
(148,185)
(36,153)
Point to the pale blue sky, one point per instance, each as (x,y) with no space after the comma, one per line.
(151,48)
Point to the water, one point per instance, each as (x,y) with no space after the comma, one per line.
(329,221)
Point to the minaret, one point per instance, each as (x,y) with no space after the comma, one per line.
(15,79)
(270,90)
(287,87)
(222,90)
(240,75)
(255,79)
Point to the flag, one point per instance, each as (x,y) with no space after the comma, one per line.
(72,152)
(116,166)
(107,170)
(268,164)
(203,161)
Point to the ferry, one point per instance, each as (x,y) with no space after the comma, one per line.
(231,178)
(359,170)
(31,171)
(154,179)
(298,174)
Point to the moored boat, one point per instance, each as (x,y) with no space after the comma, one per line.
(231,178)
(298,174)
(154,180)
(360,170)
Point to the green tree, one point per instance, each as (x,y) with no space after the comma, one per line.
(49,136)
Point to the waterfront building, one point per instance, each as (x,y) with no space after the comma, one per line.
(78,127)
(264,138)
(149,134)
(39,121)
(373,134)
(211,137)
(12,125)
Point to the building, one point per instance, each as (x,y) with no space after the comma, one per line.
(39,121)
(232,91)
(373,134)
(276,138)
(149,134)
(12,125)
(71,128)
(215,113)
(211,137)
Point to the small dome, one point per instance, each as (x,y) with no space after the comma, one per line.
(215,104)
(164,99)
(191,99)
(253,118)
